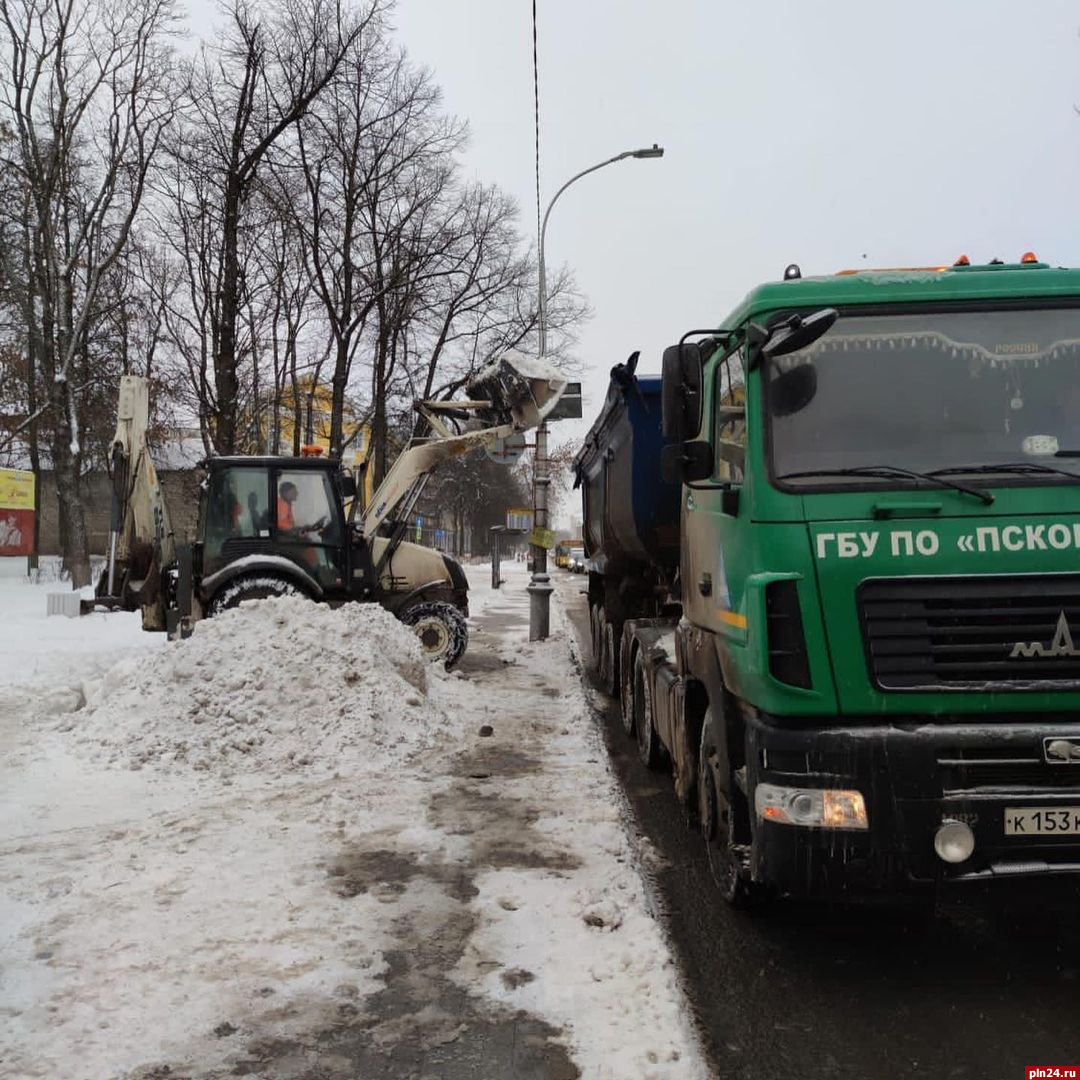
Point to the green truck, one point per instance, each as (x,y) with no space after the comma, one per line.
(835,577)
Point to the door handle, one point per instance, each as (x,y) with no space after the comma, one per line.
(704,585)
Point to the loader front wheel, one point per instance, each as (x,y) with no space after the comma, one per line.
(253,587)
(441,628)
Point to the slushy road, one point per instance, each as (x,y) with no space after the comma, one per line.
(802,992)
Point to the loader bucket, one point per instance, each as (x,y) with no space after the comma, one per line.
(522,390)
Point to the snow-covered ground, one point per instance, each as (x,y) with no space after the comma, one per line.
(286,848)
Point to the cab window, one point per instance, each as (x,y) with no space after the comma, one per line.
(237,515)
(306,524)
(729,425)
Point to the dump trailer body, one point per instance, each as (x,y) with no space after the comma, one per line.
(872,677)
(631,514)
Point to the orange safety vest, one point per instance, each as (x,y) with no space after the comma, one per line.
(286,521)
(285,518)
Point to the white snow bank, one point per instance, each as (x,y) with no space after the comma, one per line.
(35,649)
(272,686)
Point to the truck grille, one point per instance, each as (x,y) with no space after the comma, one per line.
(1014,632)
(1012,766)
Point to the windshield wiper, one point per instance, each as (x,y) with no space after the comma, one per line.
(886,471)
(1006,467)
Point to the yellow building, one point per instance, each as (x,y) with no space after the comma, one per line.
(357,436)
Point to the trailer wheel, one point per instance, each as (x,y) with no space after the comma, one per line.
(611,661)
(726,835)
(441,628)
(648,742)
(598,641)
(626,694)
(252,587)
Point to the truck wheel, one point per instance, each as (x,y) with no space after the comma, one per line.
(648,743)
(598,641)
(728,855)
(254,587)
(611,661)
(626,696)
(441,628)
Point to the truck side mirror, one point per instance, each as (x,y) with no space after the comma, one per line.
(788,335)
(680,394)
(347,484)
(686,462)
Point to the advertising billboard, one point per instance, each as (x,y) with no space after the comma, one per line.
(16,512)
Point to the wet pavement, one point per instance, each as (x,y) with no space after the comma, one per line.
(979,989)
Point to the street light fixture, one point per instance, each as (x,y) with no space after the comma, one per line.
(540,584)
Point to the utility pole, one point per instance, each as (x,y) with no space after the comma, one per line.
(540,586)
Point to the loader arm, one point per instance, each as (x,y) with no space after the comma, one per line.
(416,463)
(510,395)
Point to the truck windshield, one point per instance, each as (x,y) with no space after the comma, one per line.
(979,390)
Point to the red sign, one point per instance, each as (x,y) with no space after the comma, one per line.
(16,512)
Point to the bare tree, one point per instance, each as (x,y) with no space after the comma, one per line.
(88,97)
(375,154)
(247,93)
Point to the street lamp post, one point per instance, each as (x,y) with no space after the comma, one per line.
(540,585)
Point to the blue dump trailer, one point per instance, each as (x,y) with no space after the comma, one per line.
(631,515)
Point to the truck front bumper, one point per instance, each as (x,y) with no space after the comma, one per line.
(914,776)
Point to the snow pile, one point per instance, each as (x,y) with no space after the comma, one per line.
(273,686)
(36,650)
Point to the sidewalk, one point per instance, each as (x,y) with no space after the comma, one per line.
(443,902)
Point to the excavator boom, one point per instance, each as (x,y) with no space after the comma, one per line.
(141,542)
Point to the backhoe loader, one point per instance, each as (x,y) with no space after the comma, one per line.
(270,525)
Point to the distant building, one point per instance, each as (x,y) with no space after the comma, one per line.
(314,412)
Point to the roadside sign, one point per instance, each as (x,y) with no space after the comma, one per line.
(507,451)
(16,512)
(568,407)
(519,518)
(544,538)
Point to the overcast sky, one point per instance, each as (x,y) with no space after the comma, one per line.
(816,133)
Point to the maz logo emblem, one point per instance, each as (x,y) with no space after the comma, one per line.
(1061,751)
(1062,645)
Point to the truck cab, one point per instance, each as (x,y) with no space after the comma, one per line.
(874,679)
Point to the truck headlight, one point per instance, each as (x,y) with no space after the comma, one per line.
(815,808)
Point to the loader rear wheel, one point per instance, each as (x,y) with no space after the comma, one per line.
(441,628)
(254,587)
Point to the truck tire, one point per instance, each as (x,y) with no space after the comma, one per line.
(626,694)
(727,852)
(611,661)
(250,587)
(598,641)
(648,742)
(441,628)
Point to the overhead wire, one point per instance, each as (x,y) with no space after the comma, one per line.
(536,115)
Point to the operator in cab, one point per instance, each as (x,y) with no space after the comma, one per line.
(286,521)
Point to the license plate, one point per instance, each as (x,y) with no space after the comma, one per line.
(1042,821)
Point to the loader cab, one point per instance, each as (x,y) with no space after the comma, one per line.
(289,510)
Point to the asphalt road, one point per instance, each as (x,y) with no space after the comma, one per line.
(980,989)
